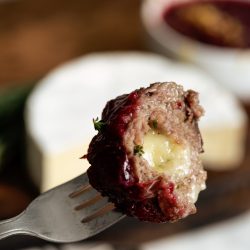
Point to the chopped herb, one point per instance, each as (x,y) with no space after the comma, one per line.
(138,150)
(155,124)
(98,124)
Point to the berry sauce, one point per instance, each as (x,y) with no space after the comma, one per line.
(227,22)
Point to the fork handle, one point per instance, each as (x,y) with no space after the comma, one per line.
(13,226)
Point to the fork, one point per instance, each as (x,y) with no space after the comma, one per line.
(60,215)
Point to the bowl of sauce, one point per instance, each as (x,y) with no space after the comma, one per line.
(213,34)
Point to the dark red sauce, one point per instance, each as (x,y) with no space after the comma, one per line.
(223,23)
(119,112)
(106,149)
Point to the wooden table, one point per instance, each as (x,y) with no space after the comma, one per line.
(36,36)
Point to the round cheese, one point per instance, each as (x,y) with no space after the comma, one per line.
(59,112)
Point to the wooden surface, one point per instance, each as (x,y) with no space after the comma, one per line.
(36,36)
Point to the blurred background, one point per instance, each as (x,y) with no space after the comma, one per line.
(152,39)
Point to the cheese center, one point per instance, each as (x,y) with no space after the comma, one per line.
(166,156)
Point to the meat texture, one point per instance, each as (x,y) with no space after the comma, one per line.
(146,155)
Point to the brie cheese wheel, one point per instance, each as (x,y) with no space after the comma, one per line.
(60,110)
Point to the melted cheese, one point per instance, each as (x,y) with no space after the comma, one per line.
(165,155)
(195,190)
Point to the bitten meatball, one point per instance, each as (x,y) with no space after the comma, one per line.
(146,155)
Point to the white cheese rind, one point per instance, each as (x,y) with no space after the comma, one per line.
(60,110)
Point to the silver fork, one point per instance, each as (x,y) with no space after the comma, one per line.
(61,215)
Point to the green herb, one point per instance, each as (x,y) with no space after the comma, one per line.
(155,124)
(99,124)
(138,150)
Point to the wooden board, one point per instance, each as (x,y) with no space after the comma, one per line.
(36,36)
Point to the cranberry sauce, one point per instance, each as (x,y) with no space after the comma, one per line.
(223,23)
(119,112)
(106,153)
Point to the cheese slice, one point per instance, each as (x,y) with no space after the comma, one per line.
(60,110)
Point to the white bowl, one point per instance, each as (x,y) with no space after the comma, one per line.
(229,66)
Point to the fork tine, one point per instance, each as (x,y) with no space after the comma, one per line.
(89,202)
(97,212)
(81,190)
(105,219)
(105,209)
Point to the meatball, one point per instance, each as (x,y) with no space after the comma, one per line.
(146,155)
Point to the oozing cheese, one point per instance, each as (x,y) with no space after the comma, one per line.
(195,190)
(165,155)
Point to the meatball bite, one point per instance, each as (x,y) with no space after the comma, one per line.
(146,155)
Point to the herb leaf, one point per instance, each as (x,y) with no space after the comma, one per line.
(99,124)
(138,150)
(155,124)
